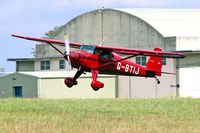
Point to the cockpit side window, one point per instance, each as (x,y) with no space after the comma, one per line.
(105,54)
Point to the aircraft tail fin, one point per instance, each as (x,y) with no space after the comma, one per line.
(154,64)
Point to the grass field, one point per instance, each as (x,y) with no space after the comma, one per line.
(100,115)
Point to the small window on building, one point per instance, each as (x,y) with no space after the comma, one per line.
(61,64)
(141,60)
(164,62)
(45,65)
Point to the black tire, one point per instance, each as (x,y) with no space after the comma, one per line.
(95,89)
(69,86)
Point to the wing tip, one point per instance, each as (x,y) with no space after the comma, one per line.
(14,35)
(18,36)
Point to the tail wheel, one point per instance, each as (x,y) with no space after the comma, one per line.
(158,81)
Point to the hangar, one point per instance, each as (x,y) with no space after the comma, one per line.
(169,29)
(50,85)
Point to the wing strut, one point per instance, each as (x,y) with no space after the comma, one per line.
(56,49)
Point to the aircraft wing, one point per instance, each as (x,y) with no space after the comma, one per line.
(57,42)
(136,52)
(126,51)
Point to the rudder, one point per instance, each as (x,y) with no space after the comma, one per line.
(155,63)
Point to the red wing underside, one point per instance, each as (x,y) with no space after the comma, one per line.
(57,42)
(131,51)
(126,51)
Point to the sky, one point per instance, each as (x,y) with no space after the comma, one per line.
(35,18)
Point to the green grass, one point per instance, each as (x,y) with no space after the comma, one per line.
(100,115)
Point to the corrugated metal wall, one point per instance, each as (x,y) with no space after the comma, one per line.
(55,88)
(27,82)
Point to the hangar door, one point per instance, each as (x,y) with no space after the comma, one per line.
(189,79)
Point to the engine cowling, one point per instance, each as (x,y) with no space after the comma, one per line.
(74,55)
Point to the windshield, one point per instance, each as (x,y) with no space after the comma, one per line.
(88,48)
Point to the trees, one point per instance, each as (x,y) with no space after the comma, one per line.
(52,33)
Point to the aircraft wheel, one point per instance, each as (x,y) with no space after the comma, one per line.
(69,82)
(158,82)
(70,86)
(96,85)
(95,89)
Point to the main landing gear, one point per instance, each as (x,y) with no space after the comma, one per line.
(69,81)
(96,85)
(158,81)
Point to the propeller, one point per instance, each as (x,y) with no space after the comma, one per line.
(67,49)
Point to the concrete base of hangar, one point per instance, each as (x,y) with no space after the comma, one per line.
(140,87)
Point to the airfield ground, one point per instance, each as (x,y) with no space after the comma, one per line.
(100,115)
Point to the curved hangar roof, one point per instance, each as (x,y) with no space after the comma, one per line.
(170,22)
(138,28)
(119,27)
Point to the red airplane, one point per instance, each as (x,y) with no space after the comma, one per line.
(105,60)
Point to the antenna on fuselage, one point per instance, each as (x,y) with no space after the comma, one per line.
(104,38)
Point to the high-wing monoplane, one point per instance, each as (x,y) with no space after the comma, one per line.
(99,59)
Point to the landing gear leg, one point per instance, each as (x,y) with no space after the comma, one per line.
(158,81)
(69,81)
(96,85)
(78,73)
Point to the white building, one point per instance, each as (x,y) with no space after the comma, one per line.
(51,85)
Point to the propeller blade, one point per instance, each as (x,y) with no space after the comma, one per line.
(68,60)
(67,49)
(67,45)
